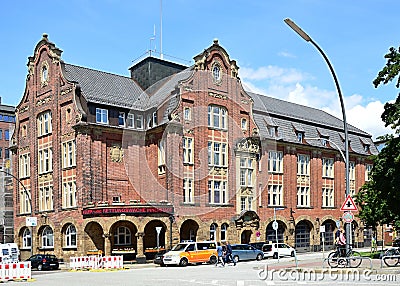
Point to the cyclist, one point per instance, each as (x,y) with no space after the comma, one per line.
(340,241)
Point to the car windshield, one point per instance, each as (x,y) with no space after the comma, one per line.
(179,247)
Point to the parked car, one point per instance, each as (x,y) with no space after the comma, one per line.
(44,261)
(246,252)
(192,252)
(158,258)
(258,245)
(273,249)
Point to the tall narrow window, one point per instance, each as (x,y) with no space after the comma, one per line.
(69,194)
(303,165)
(47,237)
(224,230)
(188,196)
(70,236)
(368,169)
(303,196)
(161,157)
(26,238)
(69,157)
(246,172)
(217,192)
(130,120)
(45,160)
(187,113)
(187,143)
(139,121)
(327,197)
(213,232)
(46,198)
(25,201)
(217,117)
(275,195)
(275,161)
(24,165)
(44,123)
(327,167)
(121,119)
(217,154)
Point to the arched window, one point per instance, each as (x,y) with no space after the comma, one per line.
(122,236)
(224,230)
(26,238)
(70,236)
(47,237)
(213,231)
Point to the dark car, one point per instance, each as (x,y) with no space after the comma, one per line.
(44,261)
(158,258)
(396,242)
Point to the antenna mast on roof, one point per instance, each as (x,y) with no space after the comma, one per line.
(161,52)
(151,39)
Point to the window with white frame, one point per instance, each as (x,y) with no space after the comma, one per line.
(68,154)
(224,231)
(69,194)
(188,196)
(275,195)
(217,117)
(44,123)
(213,232)
(272,131)
(70,236)
(303,196)
(46,198)
(122,236)
(246,172)
(217,192)
(243,123)
(217,154)
(300,136)
(47,237)
(26,238)
(187,144)
(130,120)
(24,165)
(45,158)
(121,118)
(327,197)
(139,121)
(102,115)
(187,113)
(303,165)
(327,167)
(161,157)
(246,203)
(368,169)
(275,161)
(352,170)
(25,201)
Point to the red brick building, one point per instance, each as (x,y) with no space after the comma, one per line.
(108,160)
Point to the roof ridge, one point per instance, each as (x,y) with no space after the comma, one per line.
(104,72)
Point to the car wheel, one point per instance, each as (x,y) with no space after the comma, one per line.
(275,256)
(213,260)
(40,267)
(259,256)
(236,258)
(292,254)
(184,262)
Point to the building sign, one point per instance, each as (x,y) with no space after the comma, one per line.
(127,210)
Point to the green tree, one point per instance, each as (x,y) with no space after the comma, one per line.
(379,198)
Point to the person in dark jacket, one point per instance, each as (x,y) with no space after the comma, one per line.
(229,257)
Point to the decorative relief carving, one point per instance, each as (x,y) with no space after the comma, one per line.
(67,135)
(303,180)
(246,191)
(175,117)
(219,171)
(217,95)
(23,109)
(66,91)
(189,131)
(23,149)
(44,100)
(116,153)
(45,178)
(249,145)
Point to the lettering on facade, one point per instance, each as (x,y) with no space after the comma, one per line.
(127,211)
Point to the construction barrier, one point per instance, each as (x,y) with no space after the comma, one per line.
(96,262)
(15,271)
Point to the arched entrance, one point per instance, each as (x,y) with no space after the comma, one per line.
(152,240)
(245,237)
(94,232)
(302,236)
(328,235)
(189,230)
(123,239)
(270,233)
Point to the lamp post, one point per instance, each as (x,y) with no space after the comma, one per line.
(30,202)
(307,38)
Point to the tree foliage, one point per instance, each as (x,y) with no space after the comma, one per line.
(379,198)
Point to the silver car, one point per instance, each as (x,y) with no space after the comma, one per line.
(246,252)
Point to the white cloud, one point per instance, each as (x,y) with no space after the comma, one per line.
(288,84)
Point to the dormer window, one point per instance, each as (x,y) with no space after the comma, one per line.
(366,148)
(300,137)
(272,131)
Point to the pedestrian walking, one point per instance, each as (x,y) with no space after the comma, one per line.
(229,257)
(220,252)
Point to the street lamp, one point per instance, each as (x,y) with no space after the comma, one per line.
(30,202)
(307,38)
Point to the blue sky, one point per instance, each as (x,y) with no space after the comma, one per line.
(110,35)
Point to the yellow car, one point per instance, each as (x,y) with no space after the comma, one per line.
(192,252)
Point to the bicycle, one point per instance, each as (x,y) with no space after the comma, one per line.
(391,257)
(336,258)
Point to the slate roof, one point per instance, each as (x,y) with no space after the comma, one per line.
(120,91)
(291,117)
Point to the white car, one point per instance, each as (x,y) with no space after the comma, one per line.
(272,250)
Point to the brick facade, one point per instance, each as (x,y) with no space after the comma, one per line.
(131,179)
